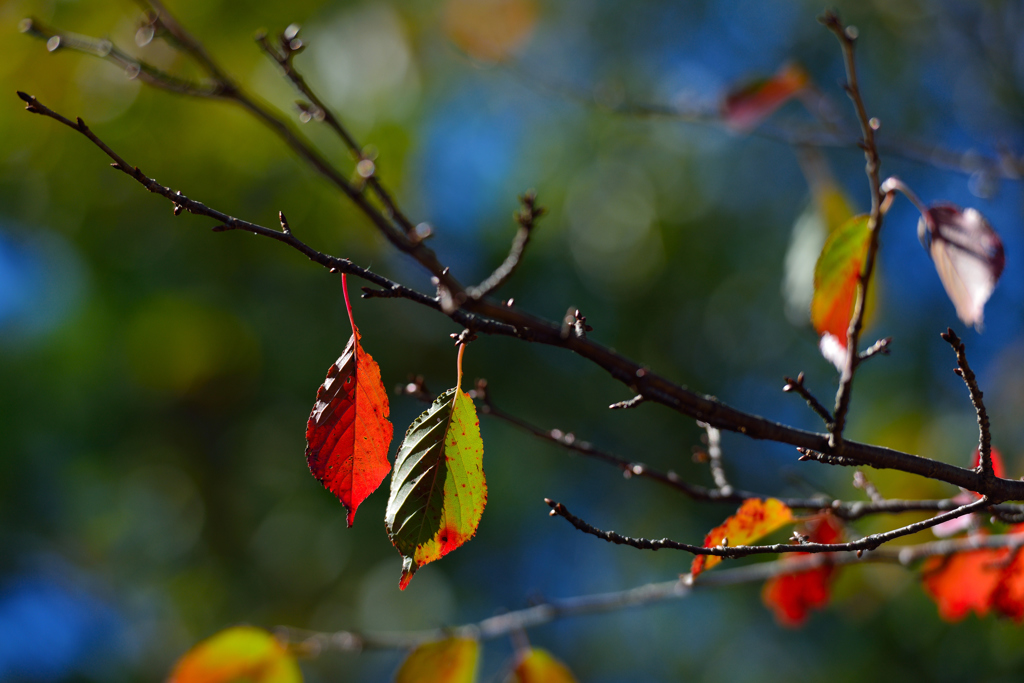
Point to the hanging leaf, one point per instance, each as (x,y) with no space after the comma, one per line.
(348,433)
(964,582)
(438,490)
(538,666)
(792,596)
(754,519)
(445,661)
(836,283)
(746,107)
(968,256)
(242,654)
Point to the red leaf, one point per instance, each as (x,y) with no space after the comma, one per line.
(965,581)
(997,462)
(745,108)
(348,433)
(792,596)
(1008,597)
(754,519)
(968,256)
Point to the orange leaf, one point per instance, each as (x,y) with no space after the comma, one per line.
(836,281)
(489,30)
(965,581)
(792,596)
(237,654)
(446,661)
(754,519)
(538,666)
(745,108)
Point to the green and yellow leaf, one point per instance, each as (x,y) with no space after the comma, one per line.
(438,491)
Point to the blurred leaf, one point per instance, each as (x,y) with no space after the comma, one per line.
(1008,597)
(438,490)
(446,661)
(964,581)
(747,106)
(968,256)
(242,654)
(348,433)
(489,29)
(835,285)
(538,666)
(754,519)
(792,596)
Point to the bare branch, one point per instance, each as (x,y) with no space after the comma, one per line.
(104,49)
(284,55)
(964,370)
(714,438)
(526,217)
(797,385)
(861,481)
(847,39)
(866,543)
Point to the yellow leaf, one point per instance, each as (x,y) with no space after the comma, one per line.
(242,654)
(446,661)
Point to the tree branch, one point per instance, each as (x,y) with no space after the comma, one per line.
(847,39)
(526,217)
(284,55)
(488,317)
(866,543)
(964,370)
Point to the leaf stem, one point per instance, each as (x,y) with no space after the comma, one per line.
(458,376)
(348,304)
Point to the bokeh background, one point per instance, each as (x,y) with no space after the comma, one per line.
(157,377)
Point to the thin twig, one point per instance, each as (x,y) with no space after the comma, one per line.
(715,459)
(880,347)
(526,217)
(964,370)
(797,385)
(104,49)
(847,39)
(861,482)
(284,56)
(866,543)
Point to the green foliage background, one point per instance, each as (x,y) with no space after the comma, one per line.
(157,377)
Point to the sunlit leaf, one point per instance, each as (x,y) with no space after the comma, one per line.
(836,283)
(754,519)
(827,211)
(964,582)
(242,654)
(538,666)
(746,107)
(438,490)
(792,596)
(968,256)
(348,433)
(446,661)
(489,29)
